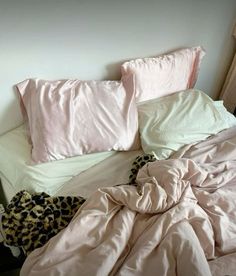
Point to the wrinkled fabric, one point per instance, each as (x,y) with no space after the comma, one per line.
(137,164)
(71,117)
(180,219)
(151,78)
(48,177)
(166,124)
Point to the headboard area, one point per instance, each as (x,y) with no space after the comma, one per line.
(89,40)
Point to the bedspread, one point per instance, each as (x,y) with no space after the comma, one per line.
(181,216)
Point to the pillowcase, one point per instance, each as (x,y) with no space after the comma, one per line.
(72,117)
(151,78)
(168,123)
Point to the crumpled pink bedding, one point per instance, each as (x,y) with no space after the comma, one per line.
(180,221)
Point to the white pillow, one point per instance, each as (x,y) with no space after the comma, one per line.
(168,123)
(227,116)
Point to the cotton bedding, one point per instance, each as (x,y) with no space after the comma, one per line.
(167,124)
(177,217)
(112,171)
(72,176)
(180,219)
(17,173)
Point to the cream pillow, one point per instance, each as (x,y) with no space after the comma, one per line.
(168,123)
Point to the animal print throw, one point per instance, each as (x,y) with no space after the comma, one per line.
(31,220)
(138,163)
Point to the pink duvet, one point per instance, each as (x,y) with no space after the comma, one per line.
(181,221)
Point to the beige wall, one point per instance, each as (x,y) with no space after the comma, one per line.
(89,39)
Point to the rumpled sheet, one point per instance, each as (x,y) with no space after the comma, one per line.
(181,220)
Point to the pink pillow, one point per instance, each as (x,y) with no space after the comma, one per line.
(151,78)
(72,117)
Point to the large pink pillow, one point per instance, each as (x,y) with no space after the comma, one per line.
(151,78)
(72,117)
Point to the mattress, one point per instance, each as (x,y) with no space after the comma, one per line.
(17,174)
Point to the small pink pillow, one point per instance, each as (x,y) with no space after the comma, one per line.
(151,78)
(72,117)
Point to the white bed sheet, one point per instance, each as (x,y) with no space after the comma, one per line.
(17,174)
(112,171)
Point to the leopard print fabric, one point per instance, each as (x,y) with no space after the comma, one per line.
(138,163)
(31,220)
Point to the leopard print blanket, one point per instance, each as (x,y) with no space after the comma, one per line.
(138,163)
(31,220)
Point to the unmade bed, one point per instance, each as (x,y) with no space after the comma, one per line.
(17,174)
(149,160)
(179,220)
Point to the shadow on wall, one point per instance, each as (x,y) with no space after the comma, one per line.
(113,71)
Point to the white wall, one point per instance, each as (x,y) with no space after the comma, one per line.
(89,39)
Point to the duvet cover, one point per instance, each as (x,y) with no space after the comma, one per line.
(180,219)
